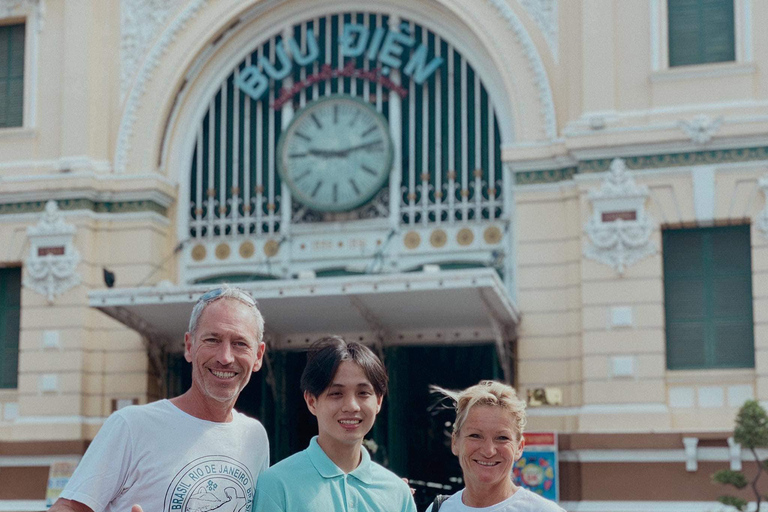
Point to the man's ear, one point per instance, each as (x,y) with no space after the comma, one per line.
(188,340)
(454,448)
(260,349)
(311,402)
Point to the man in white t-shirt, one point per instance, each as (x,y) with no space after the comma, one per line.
(193,453)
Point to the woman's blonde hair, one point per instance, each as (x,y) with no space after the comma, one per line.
(486,392)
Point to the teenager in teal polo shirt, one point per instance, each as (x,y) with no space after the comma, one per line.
(344,384)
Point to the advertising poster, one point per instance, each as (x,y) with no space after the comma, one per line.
(58,475)
(537,469)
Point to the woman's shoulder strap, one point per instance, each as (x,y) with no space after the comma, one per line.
(439,499)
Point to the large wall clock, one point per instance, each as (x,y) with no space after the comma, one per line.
(335,154)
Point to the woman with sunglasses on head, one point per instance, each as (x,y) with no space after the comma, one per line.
(488,440)
(343,384)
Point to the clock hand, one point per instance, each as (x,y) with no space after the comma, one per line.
(327,153)
(347,151)
(365,145)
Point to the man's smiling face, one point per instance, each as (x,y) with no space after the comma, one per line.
(223,350)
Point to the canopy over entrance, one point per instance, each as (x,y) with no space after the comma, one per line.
(441,307)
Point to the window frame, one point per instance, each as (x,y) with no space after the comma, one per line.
(709,318)
(743,43)
(11,383)
(31,16)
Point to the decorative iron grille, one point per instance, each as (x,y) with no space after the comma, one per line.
(447,136)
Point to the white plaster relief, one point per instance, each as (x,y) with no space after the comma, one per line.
(53,259)
(762,219)
(140,23)
(701,128)
(681,397)
(544,13)
(737,395)
(691,453)
(711,397)
(143,76)
(10,8)
(619,242)
(535,64)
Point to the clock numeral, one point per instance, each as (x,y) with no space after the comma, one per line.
(317,187)
(335,192)
(354,186)
(297,155)
(335,114)
(302,136)
(316,120)
(369,170)
(354,117)
(301,176)
(369,130)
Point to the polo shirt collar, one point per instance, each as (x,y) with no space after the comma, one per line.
(328,469)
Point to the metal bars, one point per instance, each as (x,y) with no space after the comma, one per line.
(447,138)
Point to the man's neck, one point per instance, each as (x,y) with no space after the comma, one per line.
(346,456)
(209,410)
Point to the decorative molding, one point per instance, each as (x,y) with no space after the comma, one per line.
(140,23)
(10,8)
(645,162)
(544,13)
(53,259)
(619,231)
(79,204)
(143,76)
(535,64)
(701,128)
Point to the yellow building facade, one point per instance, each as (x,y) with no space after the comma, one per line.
(567,195)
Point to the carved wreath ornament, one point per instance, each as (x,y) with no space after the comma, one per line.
(53,259)
(619,231)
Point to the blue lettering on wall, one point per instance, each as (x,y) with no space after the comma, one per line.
(386,47)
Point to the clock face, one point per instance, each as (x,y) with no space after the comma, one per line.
(336,153)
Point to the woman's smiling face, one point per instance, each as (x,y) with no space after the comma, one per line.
(487,447)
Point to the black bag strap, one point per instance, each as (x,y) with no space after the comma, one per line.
(439,499)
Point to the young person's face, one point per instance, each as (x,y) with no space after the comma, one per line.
(346,409)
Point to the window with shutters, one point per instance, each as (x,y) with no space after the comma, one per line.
(11,75)
(701,31)
(10,308)
(708,298)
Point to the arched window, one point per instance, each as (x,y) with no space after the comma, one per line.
(441,118)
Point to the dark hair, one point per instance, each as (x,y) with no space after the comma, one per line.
(326,354)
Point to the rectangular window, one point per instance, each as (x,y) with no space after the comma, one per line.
(701,31)
(10,309)
(708,298)
(11,75)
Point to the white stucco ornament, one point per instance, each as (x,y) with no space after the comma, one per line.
(701,128)
(141,21)
(619,231)
(53,259)
(11,8)
(762,219)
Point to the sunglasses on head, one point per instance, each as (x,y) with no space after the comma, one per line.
(240,295)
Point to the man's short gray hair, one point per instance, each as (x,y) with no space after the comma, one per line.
(226,291)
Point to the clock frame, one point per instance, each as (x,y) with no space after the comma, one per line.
(335,154)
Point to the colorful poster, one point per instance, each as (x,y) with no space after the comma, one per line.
(537,469)
(58,475)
